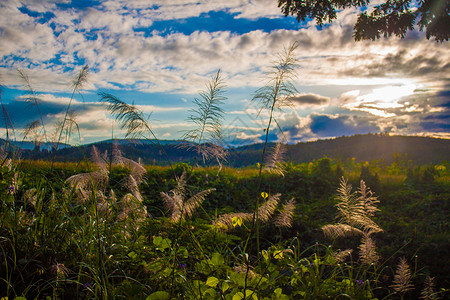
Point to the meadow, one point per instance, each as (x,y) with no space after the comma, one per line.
(113,228)
(122,230)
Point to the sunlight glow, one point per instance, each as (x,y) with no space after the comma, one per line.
(388,96)
(382,99)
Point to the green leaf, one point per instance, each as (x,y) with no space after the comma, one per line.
(217,259)
(132,255)
(162,243)
(157,240)
(166,243)
(238,296)
(236,221)
(159,295)
(253,294)
(212,281)
(210,292)
(278,254)
(265,254)
(279,294)
(225,286)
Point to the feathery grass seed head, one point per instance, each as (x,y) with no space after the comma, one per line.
(284,219)
(402,278)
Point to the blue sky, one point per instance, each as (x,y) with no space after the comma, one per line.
(160,54)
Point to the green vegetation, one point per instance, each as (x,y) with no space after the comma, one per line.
(107,234)
(386,18)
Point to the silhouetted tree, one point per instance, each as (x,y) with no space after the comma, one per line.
(392,17)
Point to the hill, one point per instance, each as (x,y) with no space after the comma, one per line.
(420,150)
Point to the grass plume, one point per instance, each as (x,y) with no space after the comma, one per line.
(180,207)
(208,118)
(402,278)
(278,89)
(276,159)
(77,83)
(367,251)
(357,210)
(132,119)
(284,219)
(428,291)
(33,100)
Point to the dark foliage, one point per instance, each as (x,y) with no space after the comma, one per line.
(388,18)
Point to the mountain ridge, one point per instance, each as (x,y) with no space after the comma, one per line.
(368,147)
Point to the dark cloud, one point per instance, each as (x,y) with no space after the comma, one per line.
(435,127)
(403,62)
(312,99)
(22,113)
(325,126)
(437,122)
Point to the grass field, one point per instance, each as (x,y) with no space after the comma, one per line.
(123,230)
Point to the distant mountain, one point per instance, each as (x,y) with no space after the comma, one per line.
(25,145)
(420,150)
(138,142)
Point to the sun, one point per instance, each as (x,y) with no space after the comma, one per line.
(382,100)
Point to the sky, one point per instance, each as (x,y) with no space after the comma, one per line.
(159,55)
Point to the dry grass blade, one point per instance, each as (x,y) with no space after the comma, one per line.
(77,83)
(71,124)
(357,211)
(367,201)
(194,202)
(96,179)
(174,204)
(132,209)
(6,117)
(402,278)
(30,127)
(180,208)
(33,99)
(99,161)
(132,186)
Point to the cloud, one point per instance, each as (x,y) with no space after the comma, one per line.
(401,80)
(309,99)
(329,126)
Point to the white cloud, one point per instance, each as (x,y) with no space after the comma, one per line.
(104,38)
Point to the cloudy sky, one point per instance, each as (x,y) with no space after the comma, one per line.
(160,54)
